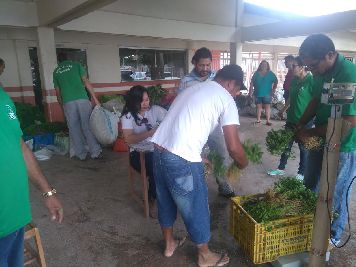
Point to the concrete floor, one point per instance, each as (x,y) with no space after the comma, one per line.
(104,227)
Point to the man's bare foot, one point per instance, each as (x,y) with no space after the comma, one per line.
(171,248)
(212,259)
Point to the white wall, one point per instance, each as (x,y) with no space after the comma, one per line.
(10,76)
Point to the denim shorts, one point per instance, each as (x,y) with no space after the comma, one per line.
(181,186)
(263,99)
(11,249)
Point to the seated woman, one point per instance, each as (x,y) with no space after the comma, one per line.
(139,122)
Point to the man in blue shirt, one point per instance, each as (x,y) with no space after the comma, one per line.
(201,73)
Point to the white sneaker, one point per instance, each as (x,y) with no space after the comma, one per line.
(275,172)
(300,177)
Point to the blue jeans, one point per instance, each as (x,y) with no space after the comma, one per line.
(303,152)
(11,249)
(346,172)
(181,186)
(135,163)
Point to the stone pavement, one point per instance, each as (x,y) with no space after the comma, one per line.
(104,227)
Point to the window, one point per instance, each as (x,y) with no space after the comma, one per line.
(150,64)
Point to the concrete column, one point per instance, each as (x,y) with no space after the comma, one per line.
(275,62)
(236,46)
(24,71)
(190,54)
(48,61)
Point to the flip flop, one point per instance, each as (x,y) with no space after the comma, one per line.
(220,262)
(180,244)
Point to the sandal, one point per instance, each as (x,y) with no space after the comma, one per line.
(221,261)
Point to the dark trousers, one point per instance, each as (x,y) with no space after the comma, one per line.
(135,163)
(303,154)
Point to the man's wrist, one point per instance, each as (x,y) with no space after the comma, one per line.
(50,193)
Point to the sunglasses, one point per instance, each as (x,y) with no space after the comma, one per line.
(145,122)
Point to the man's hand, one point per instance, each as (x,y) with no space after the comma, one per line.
(96,101)
(303,134)
(54,208)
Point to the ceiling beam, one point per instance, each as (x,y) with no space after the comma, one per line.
(56,13)
(300,26)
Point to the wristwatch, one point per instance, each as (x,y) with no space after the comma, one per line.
(49,193)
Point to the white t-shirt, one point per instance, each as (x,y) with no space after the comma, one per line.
(154,117)
(193,115)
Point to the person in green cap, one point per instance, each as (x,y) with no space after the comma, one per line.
(319,55)
(18,166)
(70,80)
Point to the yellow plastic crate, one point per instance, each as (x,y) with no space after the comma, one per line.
(266,242)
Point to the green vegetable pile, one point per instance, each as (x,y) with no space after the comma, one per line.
(253,154)
(155,93)
(106,98)
(277,141)
(28,114)
(289,197)
(47,127)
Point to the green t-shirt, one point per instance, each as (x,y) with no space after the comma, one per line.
(300,94)
(68,78)
(14,192)
(344,71)
(263,84)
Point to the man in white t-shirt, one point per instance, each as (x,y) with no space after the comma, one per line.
(178,167)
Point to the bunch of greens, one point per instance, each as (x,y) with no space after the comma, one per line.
(47,127)
(277,141)
(289,197)
(155,93)
(253,154)
(28,114)
(253,151)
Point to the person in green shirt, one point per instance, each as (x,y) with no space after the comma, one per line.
(71,81)
(263,86)
(17,167)
(319,55)
(300,94)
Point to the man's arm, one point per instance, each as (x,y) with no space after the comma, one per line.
(309,112)
(90,88)
(38,179)
(234,146)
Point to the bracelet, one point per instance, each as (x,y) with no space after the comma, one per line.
(49,193)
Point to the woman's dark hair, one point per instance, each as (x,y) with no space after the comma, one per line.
(288,58)
(133,102)
(299,62)
(201,53)
(260,66)
(316,46)
(2,62)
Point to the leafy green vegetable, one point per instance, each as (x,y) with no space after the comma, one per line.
(217,161)
(28,114)
(277,141)
(289,197)
(47,127)
(106,98)
(155,93)
(253,151)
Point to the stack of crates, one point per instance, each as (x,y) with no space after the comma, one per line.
(265,242)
